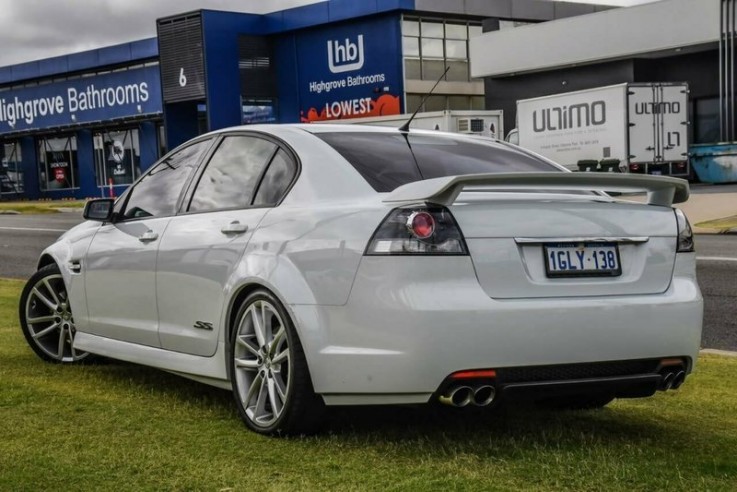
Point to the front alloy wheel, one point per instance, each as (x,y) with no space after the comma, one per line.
(46,317)
(271,383)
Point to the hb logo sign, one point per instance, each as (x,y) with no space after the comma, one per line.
(344,57)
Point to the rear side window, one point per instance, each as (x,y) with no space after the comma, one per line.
(390,160)
(276,180)
(231,176)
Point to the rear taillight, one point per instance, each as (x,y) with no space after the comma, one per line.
(429,230)
(685,234)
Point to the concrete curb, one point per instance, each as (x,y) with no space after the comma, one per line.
(724,353)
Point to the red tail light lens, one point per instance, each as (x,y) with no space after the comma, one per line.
(429,230)
(485,373)
(421,224)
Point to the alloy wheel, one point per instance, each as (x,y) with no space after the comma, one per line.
(49,320)
(262,363)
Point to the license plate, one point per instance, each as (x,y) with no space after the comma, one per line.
(582,260)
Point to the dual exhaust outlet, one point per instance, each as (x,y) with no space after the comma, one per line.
(462,396)
(672,380)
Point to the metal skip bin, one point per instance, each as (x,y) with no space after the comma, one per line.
(715,163)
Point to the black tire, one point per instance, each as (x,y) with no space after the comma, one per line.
(577,402)
(50,342)
(302,410)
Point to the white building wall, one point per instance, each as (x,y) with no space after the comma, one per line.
(612,34)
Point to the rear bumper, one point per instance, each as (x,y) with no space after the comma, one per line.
(411,321)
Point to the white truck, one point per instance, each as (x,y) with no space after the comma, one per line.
(487,123)
(643,126)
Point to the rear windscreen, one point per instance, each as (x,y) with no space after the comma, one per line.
(390,160)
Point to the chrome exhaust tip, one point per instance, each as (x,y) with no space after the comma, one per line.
(678,380)
(667,382)
(484,395)
(458,397)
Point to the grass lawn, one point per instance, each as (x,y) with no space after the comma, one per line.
(123,427)
(724,224)
(50,207)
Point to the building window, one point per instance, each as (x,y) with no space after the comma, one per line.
(57,163)
(11,172)
(707,120)
(117,157)
(258,110)
(430,45)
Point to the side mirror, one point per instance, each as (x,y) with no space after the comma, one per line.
(99,209)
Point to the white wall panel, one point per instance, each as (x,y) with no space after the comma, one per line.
(611,34)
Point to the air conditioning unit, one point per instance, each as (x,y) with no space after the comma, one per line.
(471,125)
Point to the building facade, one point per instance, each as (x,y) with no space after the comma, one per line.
(668,41)
(88,124)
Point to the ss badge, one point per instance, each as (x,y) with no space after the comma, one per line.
(203,325)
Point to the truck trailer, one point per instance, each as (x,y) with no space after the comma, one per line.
(633,127)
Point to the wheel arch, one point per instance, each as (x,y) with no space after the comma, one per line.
(44,261)
(239,295)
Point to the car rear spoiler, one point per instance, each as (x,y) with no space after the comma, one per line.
(661,190)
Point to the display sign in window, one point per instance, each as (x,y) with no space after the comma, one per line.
(57,163)
(117,157)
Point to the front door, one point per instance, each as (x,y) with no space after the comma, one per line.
(120,265)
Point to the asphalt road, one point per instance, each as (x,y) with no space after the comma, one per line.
(23,237)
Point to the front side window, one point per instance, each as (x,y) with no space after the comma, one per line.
(157,193)
(57,163)
(231,176)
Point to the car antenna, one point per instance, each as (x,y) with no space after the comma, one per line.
(405,128)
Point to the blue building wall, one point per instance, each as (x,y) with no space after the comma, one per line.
(86,60)
(30,169)
(221,30)
(69,107)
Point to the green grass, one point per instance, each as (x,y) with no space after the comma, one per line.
(124,427)
(50,207)
(723,225)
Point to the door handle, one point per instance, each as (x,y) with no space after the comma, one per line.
(148,236)
(234,227)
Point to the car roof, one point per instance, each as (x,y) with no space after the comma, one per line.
(332,128)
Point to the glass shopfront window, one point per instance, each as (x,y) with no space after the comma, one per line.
(57,163)
(11,173)
(117,157)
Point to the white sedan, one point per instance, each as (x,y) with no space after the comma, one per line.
(312,265)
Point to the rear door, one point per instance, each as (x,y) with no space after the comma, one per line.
(119,266)
(643,132)
(674,122)
(658,123)
(203,246)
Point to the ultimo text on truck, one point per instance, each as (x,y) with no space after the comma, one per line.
(643,126)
